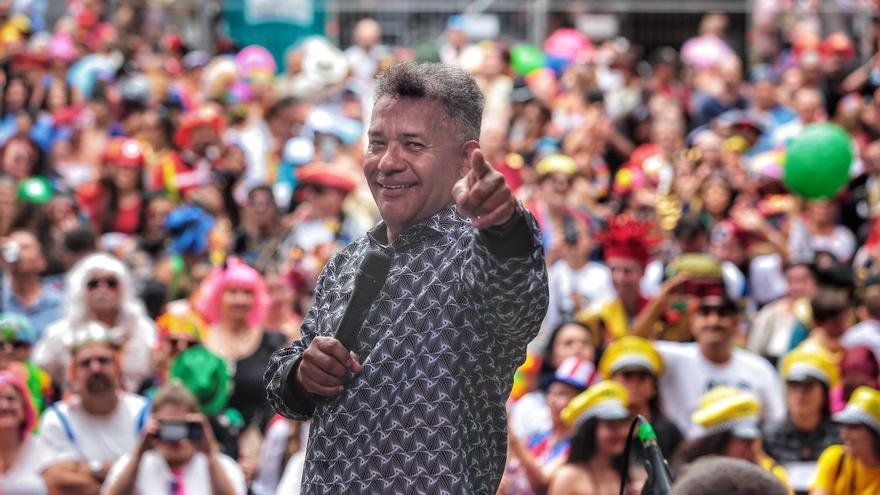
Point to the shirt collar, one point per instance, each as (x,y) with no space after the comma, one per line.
(439,222)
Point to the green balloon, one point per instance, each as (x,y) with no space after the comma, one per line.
(526,58)
(817,161)
(35,189)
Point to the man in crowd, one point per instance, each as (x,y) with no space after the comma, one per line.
(466,292)
(26,294)
(82,436)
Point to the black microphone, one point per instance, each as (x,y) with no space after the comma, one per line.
(659,479)
(369,280)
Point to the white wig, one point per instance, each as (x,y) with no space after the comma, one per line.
(131,309)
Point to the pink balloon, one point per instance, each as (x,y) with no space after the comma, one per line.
(567,43)
(61,46)
(704,51)
(254,58)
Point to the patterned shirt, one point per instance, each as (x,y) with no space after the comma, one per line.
(439,347)
(785,443)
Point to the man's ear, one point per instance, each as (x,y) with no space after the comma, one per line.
(467,152)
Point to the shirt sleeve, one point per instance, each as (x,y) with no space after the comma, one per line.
(827,468)
(53,443)
(774,403)
(114,473)
(284,362)
(506,275)
(234,474)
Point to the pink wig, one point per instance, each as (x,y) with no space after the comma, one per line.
(236,273)
(30,414)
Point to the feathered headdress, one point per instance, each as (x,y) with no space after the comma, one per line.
(628,238)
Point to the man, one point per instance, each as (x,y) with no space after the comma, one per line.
(866,333)
(831,318)
(81,437)
(418,402)
(26,294)
(693,368)
(100,289)
(726,475)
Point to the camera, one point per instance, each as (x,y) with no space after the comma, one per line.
(11,252)
(176,431)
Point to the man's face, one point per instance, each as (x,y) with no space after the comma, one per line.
(102,292)
(765,94)
(801,282)
(95,369)
(262,208)
(31,260)
(414,158)
(202,137)
(714,324)
(625,274)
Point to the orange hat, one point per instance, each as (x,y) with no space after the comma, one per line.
(126,152)
(204,115)
(327,175)
(838,44)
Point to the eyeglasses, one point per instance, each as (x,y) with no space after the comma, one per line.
(722,311)
(101,360)
(110,282)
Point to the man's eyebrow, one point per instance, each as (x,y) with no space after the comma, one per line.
(415,135)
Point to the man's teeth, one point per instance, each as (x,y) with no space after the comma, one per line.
(401,186)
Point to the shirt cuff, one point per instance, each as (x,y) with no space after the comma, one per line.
(510,240)
(297,403)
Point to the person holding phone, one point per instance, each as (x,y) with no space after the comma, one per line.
(177,453)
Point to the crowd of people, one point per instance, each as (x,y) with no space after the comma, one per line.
(166,209)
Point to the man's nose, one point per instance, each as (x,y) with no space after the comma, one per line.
(391,161)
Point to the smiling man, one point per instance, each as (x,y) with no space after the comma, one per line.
(417,405)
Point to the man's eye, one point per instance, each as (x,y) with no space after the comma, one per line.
(414,145)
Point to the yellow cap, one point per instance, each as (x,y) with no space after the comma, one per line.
(805,363)
(556,163)
(604,400)
(630,352)
(863,408)
(729,409)
(695,265)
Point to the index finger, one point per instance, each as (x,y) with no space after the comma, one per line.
(479,165)
(333,348)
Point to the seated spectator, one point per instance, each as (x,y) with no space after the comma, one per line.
(729,418)
(601,417)
(176,452)
(99,289)
(82,436)
(531,463)
(19,475)
(831,317)
(867,332)
(179,328)
(17,336)
(807,430)
(853,467)
(28,295)
(633,362)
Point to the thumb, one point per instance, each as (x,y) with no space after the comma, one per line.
(460,190)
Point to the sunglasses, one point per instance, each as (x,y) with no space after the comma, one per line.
(101,360)
(110,282)
(15,344)
(724,310)
(182,343)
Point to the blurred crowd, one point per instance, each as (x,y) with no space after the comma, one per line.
(166,208)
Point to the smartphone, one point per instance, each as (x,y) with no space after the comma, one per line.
(176,431)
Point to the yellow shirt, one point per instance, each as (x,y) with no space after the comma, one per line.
(849,478)
(768,464)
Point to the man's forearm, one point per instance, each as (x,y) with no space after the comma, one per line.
(125,483)
(220,484)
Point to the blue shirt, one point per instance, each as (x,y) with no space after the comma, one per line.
(44,312)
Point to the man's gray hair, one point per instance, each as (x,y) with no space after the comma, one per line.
(454,88)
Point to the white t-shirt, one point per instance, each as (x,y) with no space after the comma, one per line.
(687,375)
(592,283)
(24,477)
(154,475)
(530,415)
(291,481)
(866,333)
(771,331)
(95,438)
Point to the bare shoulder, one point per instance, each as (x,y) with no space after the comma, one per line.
(569,479)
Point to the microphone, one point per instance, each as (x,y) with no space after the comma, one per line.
(369,280)
(659,479)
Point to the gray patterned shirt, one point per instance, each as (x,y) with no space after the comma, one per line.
(439,348)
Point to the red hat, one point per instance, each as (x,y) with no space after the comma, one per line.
(204,115)
(806,42)
(125,152)
(838,44)
(327,175)
(627,238)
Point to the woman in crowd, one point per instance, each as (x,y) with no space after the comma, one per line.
(115,203)
(633,362)
(599,417)
(534,460)
(797,441)
(854,467)
(19,457)
(730,418)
